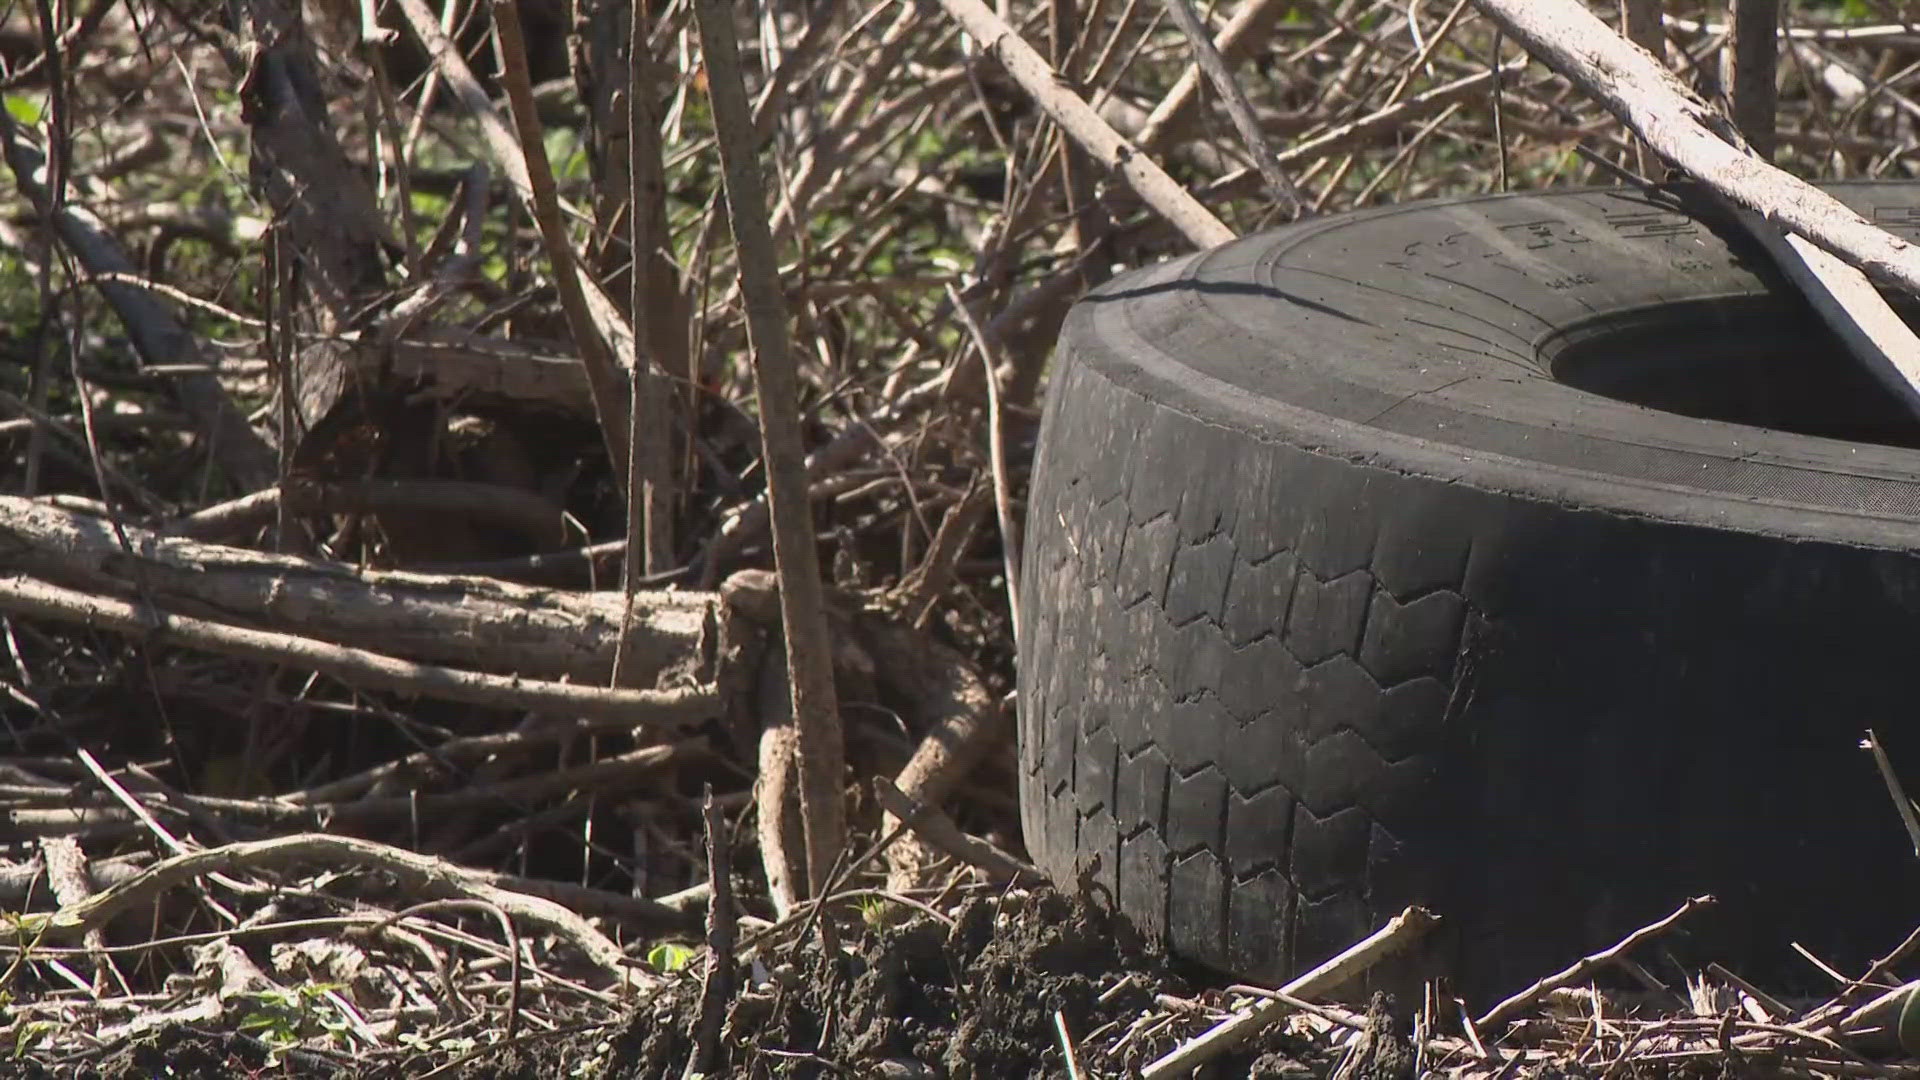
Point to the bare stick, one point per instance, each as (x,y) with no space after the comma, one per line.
(1901,803)
(419,870)
(1640,21)
(1239,109)
(1850,306)
(1084,126)
(717,983)
(1399,932)
(1650,100)
(1067,1049)
(463,622)
(802,602)
(156,334)
(939,830)
(604,378)
(1586,965)
(357,667)
(997,455)
(660,337)
(503,148)
(1250,20)
(1751,60)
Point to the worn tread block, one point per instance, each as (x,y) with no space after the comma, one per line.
(1335,541)
(1191,732)
(1100,541)
(1259,831)
(1423,546)
(1405,641)
(1270,749)
(1196,809)
(1096,851)
(1142,798)
(1394,877)
(1145,560)
(1342,771)
(1259,595)
(1259,923)
(1335,694)
(1327,616)
(1198,586)
(1261,678)
(1197,902)
(1095,769)
(1142,889)
(1152,489)
(1323,928)
(1197,664)
(1329,852)
(1409,720)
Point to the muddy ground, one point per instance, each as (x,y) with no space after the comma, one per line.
(983,996)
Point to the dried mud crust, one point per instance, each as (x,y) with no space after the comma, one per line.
(971,1002)
(1340,600)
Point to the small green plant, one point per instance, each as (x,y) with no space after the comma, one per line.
(669,957)
(285,1017)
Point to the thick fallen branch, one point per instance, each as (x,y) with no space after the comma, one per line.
(1675,123)
(467,621)
(357,667)
(1660,109)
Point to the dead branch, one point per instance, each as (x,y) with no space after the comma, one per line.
(939,830)
(802,604)
(609,385)
(1249,24)
(159,338)
(1581,968)
(717,981)
(358,667)
(469,621)
(1399,933)
(1078,120)
(417,871)
(1647,98)
(1209,59)
(504,149)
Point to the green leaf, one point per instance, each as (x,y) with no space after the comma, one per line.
(26,108)
(668,957)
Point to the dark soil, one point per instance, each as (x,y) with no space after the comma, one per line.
(914,997)
(976,1000)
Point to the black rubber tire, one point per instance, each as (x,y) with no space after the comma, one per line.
(1340,597)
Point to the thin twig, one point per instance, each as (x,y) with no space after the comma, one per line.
(1581,968)
(1207,56)
(717,982)
(1400,932)
(1901,804)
